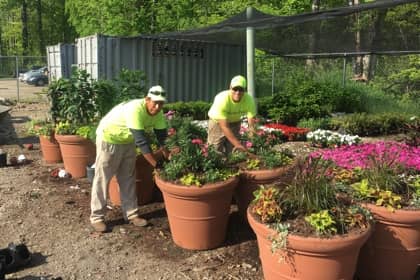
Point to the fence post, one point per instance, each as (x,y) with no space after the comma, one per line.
(17,78)
(344,70)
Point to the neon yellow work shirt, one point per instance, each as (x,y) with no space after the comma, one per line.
(223,107)
(114,128)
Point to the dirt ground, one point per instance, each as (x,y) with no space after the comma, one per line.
(10,89)
(50,216)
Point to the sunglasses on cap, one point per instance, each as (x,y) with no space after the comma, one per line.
(238,89)
(161,93)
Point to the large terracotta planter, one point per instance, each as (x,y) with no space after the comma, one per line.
(250,180)
(145,184)
(50,149)
(198,216)
(308,257)
(393,250)
(77,153)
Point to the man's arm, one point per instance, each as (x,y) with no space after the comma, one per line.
(161,135)
(251,125)
(141,141)
(230,136)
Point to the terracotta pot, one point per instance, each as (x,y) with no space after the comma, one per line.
(77,153)
(50,149)
(308,257)
(250,180)
(198,216)
(145,184)
(393,250)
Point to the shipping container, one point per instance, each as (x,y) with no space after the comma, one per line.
(61,58)
(188,70)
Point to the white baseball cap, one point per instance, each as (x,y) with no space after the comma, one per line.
(157,93)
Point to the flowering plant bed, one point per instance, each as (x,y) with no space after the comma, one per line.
(290,133)
(327,138)
(385,173)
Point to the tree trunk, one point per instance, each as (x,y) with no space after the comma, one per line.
(369,61)
(314,36)
(1,42)
(25,36)
(40,30)
(358,60)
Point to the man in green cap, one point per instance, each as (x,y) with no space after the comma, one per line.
(225,116)
(118,133)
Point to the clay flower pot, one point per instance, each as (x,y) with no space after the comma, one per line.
(393,250)
(77,152)
(145,184)
(50,149)
(250,180)
(308,257)
(198,216)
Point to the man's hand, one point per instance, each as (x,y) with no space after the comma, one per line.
(166,153)
(239,148)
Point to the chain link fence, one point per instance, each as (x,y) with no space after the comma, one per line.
(11,67)
(273,72)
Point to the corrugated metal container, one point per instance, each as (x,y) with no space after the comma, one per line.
(188,70)
(60,58)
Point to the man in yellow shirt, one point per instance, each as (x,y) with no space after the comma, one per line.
(225,116)
(117,136)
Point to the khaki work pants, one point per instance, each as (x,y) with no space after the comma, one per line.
(119,160)
(217,138)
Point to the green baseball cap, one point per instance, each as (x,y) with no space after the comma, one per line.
(238,81)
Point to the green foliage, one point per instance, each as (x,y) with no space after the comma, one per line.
(87,131)
(312,189)
(364,124)
(412,131)
(194,162)
(40,128)
(305,96)
(314,203)
(130,84)
(386,198)
(315,123)
(65,128)
(73,100)
(197,110)
(322,222)
(387,183)
(273,159)
(182,130)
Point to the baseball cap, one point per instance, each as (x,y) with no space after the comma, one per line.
(157,93)
(238,81)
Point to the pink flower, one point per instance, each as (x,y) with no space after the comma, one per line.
(171,131)
(248,144)
(205,150)
(197,141)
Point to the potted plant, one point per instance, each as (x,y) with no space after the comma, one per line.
(77,147)
(308,229)
(197,186)
(73,110)
(388,175)
(49,146)
(267,165)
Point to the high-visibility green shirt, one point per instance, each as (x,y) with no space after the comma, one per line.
(115,127)
(224,108)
